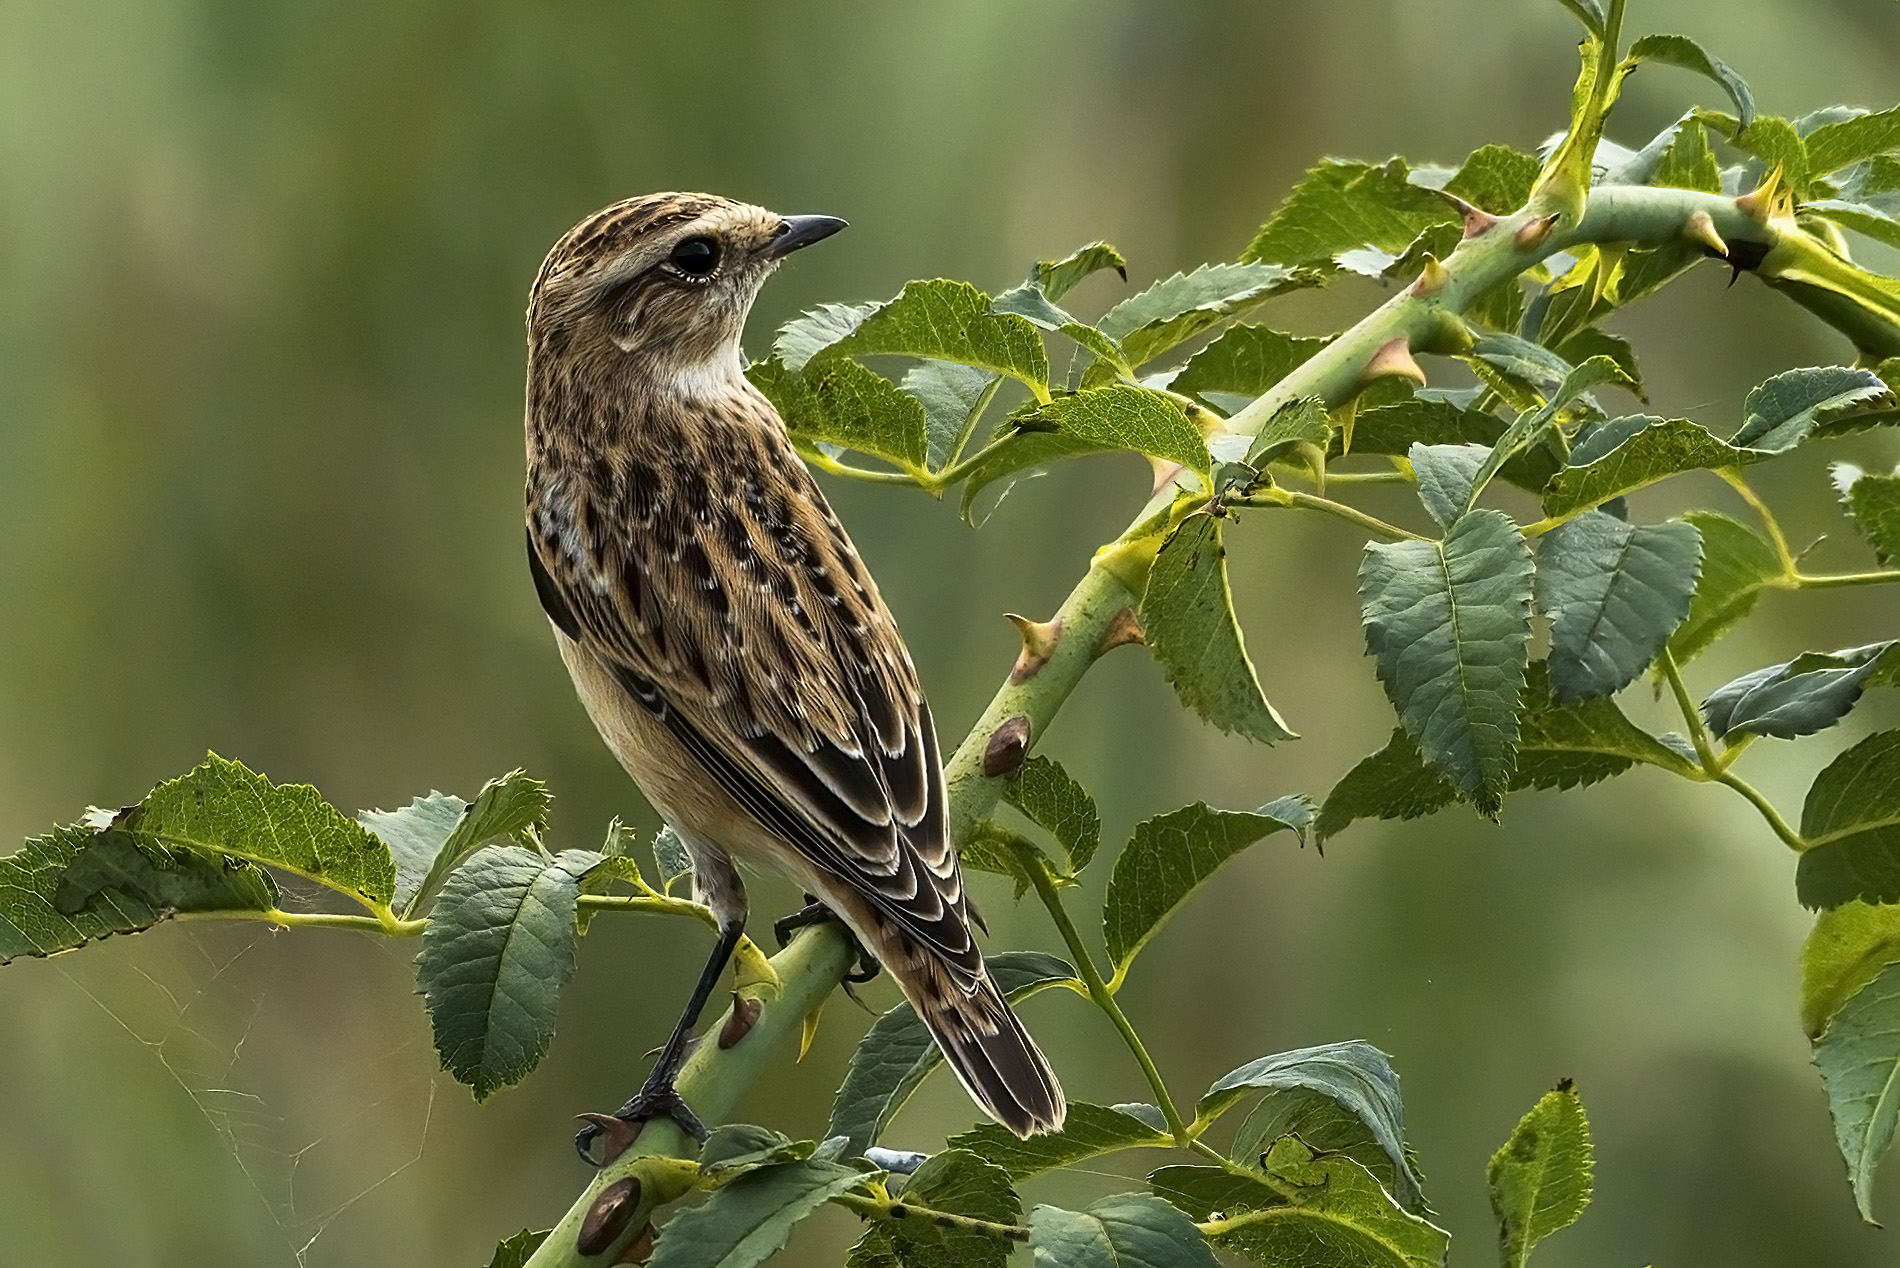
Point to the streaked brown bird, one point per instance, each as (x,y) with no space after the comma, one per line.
(724,635)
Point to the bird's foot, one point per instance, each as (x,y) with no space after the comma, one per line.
(814,913)
(616,1131)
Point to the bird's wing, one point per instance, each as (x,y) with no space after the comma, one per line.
(727,600)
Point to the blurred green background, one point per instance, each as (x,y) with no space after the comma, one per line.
(262,268)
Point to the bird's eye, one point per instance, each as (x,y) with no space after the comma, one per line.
(696,257)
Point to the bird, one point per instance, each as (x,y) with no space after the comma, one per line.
(725,637)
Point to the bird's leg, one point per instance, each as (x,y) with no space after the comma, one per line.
(657,1096)
(816,913)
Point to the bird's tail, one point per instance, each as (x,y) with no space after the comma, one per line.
(994,1057)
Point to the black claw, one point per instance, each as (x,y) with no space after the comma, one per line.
(622,1128)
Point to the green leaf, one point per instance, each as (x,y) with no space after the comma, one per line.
(1340,1218)
(1188,621)
(1099,420)
(1126,1230)
(805,336)
(75,884)
(953,1180)
(1058,277)
(1807,694)
(1540,1178)
(1166,859)
(1338,206)
(1246,360)
(1591,342)
(1737,565)
(1859,1058)
(670,856)
(744,1223)
(1851,821)
(1559,746)
(1847,949)
(1325,1126)
(1626,454)
(514,1252)
(1089,1131)
(1680,50)
(1213,1192)
(1873,503)
(1588,12)
(1449,624)
(223,808)
(839,402)
(1028,302)
(1833,146)
(1496,178)
(736,1148)
(897,1051)
(1859,217)
(1355,1076)
(1779,414)
(415,835)
(1054,802)
(1689,163)
(1542,422)
(511,808)
(498,950)
(953,396)
(1615,591)
(1446,474)
(1535,370)
(950,321)
(1303,421)
(1394,429)
(1179,307)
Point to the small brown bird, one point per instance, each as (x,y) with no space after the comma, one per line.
(724,635)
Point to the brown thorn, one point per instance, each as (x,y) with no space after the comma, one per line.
(1039,644)
(1432,278)
(617,1133)
(1531,234)
(1698,228)
(1164,470)
(1124,628)
(640,1249)
(1477,219)
(607,1218)
(745,1015)
(1007,746)
(1394,360)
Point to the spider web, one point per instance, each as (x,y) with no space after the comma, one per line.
(313,1122)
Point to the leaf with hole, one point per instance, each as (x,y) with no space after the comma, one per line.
(1340,1218)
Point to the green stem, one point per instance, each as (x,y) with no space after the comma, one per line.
(1715,767)
(315,920)
(898,1210)
(1767,517)
(1789,837)
(1100,992)
(1826,581)
(1273,497)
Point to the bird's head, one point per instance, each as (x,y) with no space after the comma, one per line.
(664,278)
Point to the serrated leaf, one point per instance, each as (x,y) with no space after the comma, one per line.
(671,857)
(1127,1230)
(1536,370)
(1802,696)
(989,846)
(1559,746)
(76,884)
(953,1180)
(953,397)
(415,835)
(1179,307)
(1848,947)
(1859,1059)
(950,321)
(745,1222)
(1054,802)
(512,808)
(1496,178)
(1099,420)
(222,807)
(1446,474)
(1615,591)
(897,1051)
(514,1252)
(1737,565)
(1212,1192)
(1342,1218)
(1325,1126)
(805,336)
(1449,625)
(1338,206)
(839,402)
(1299,422)
(1626,454)
(1395,428)
(1188,622)
(1246,360)
(1833,146)
(1591,342)
(1859,217)
(1058,277)
(1851,823)
(1167,859)
(497,952)
(1680,50)
(1087,1132)
(1779,414)
(1873,503)
(1689,163)
(1540,1178)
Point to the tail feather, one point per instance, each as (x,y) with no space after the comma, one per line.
(995,1059)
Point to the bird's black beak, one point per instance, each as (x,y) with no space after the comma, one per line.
(801,231)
